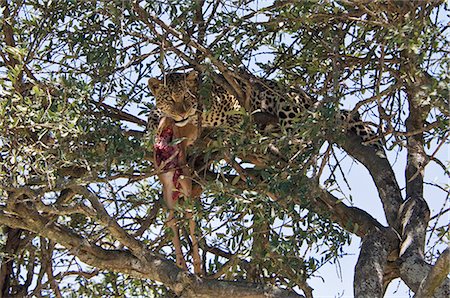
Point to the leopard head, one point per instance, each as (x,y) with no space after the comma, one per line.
(176,95)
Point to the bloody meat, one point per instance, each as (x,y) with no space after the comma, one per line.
(170,154)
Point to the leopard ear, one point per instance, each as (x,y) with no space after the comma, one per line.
(192,75)
(154,84)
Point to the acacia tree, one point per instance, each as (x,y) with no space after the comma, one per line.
(80,206)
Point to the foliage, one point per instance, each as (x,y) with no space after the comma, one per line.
(73,101)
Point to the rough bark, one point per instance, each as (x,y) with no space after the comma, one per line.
(413,268)
(436,276)
(353,219)
(381,247)
(10,250)
(381,172)
(415,214)
(369,271)
(144,265)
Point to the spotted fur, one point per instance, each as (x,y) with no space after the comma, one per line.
(177,97)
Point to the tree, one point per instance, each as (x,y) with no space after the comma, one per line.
(81,208)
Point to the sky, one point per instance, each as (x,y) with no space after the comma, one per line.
(339,278)
(336,280)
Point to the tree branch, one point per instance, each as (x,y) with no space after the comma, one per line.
(413,268)
(352,219)
(148,266)
(8,31)
(10,250)
(115,113)
(231,85)
(436,276)
(373,257)
(381,173)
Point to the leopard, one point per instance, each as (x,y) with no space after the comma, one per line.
(177,96)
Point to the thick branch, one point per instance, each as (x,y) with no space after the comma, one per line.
(353,219)
(149,266)
(382,175)
(436,276)
(413,268)
(414,215)
(8,31)
(369,271)
(115,229)
(10,250)
(418,85)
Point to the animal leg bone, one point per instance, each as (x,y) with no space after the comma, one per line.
(175,177)
(171,222)
(195,250)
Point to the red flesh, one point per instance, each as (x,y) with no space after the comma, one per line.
(164,151)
